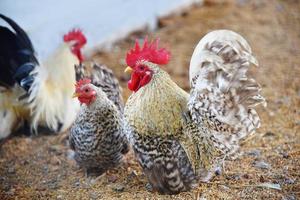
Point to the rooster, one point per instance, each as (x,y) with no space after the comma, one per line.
(182,138)
(35,92)
(97,135)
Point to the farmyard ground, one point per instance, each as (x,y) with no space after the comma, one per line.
(38,168)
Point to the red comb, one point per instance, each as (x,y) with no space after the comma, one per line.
(75,34)
(149,52)
(82,82)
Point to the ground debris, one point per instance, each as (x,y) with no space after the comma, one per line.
(273,36)
(118,188)
(254,152)
(262,165)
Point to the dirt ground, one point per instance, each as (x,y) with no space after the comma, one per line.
(38,167)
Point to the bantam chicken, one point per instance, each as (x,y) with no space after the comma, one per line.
(102,77)
(41,94)
(180,139)
(97,135)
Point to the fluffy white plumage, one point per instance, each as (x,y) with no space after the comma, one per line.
(51,99)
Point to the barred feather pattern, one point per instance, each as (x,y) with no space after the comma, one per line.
(153,121)
(164,162)
(222,97)
(97,136)
(102,77)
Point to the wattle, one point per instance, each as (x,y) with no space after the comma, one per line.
(139,80)
(134,82)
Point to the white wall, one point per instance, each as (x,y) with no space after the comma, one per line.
(101,20)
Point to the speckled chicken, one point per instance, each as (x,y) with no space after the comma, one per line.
(102,77)
(180,139)
(97,135)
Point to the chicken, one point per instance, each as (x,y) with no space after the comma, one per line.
(97,135)
(102,77)
(37,93)
(51,102)
(182,138)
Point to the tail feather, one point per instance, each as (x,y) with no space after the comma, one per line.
(220,84)
(17,56)
(222,97)
(25,43)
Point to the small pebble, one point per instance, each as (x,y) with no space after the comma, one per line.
(93,195)
(254,152)
(262,179)
(131,176)
(57,149)
(60,197)
(218,171)
(224,187)
(289,197)
(70,154)
(24,162)
(285,155)
(269,134)
(53,186)
(271,113)
(11,170)
(288,180)
(246,176)
(11,192)
(55,161)
(119,188)
(77,183)
(112,178)
(262,165)
(45,169)
(233,177)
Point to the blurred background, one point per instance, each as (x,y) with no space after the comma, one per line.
(102,21)
(38,167)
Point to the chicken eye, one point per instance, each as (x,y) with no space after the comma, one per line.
(142,67)
(86,90)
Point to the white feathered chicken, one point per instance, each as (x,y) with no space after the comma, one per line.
(39,93)
(179,138)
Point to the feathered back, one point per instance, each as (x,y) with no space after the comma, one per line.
(102,77)
(222,96)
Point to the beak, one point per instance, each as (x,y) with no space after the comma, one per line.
(128,70)
(75,95)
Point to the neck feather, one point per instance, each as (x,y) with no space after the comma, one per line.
(157,107)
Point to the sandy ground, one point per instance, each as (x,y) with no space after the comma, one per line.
(38,167)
